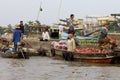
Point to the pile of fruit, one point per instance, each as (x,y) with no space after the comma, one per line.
(59,45)
(90,51)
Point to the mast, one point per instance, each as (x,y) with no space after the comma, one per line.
(39,11)
(59,10)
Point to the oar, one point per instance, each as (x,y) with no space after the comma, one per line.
(92,32)
(22,53)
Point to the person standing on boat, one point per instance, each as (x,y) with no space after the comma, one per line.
(71,21)
(16,36)
(71,24)
(21,28)
(70,43)
(104,38)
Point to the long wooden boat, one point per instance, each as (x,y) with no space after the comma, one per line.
(35,48)
(19,55)
(90,58)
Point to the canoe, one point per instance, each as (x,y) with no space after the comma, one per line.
(89,58)
(18,55)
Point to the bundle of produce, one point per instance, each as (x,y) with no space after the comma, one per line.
(90,51)
(88,41)
(59,45)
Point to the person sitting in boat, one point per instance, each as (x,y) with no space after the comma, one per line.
(45,35)
(4,46)
(104,38)
(16,37)
(70,43)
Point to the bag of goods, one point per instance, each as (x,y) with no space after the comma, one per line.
(56,45)
(60,47)
(62,42)
(64,47)
(52,43)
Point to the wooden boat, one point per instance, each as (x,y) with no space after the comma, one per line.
(89,58)
(19,55)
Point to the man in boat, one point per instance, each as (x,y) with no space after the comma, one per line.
(16,37)
(70,21)
(71,24)
(21,28)
(104,38)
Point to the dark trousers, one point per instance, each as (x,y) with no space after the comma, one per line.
(15,47)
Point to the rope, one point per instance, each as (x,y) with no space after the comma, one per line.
(59,10)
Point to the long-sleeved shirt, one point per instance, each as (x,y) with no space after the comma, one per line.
(17,35)
(71,44)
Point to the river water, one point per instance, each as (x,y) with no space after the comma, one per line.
(46,68)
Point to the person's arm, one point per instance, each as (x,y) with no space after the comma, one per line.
(108,37)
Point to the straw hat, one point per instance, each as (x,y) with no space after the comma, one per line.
(17,26)
(70,35)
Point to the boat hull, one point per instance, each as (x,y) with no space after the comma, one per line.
(88,58)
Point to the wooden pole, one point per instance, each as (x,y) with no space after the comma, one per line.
(39,11)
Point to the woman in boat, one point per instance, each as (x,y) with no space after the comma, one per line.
(16,36)
(70,43)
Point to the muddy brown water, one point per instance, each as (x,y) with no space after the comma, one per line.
(47,68)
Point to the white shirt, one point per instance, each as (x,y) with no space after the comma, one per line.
(71,44)
(61,29)
(45,35)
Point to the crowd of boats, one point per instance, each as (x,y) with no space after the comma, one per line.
(88,50)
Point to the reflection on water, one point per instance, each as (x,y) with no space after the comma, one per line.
(45,68)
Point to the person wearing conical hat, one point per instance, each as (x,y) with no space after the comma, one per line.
(16,36)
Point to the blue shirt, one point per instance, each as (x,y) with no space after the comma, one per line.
(17,35)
